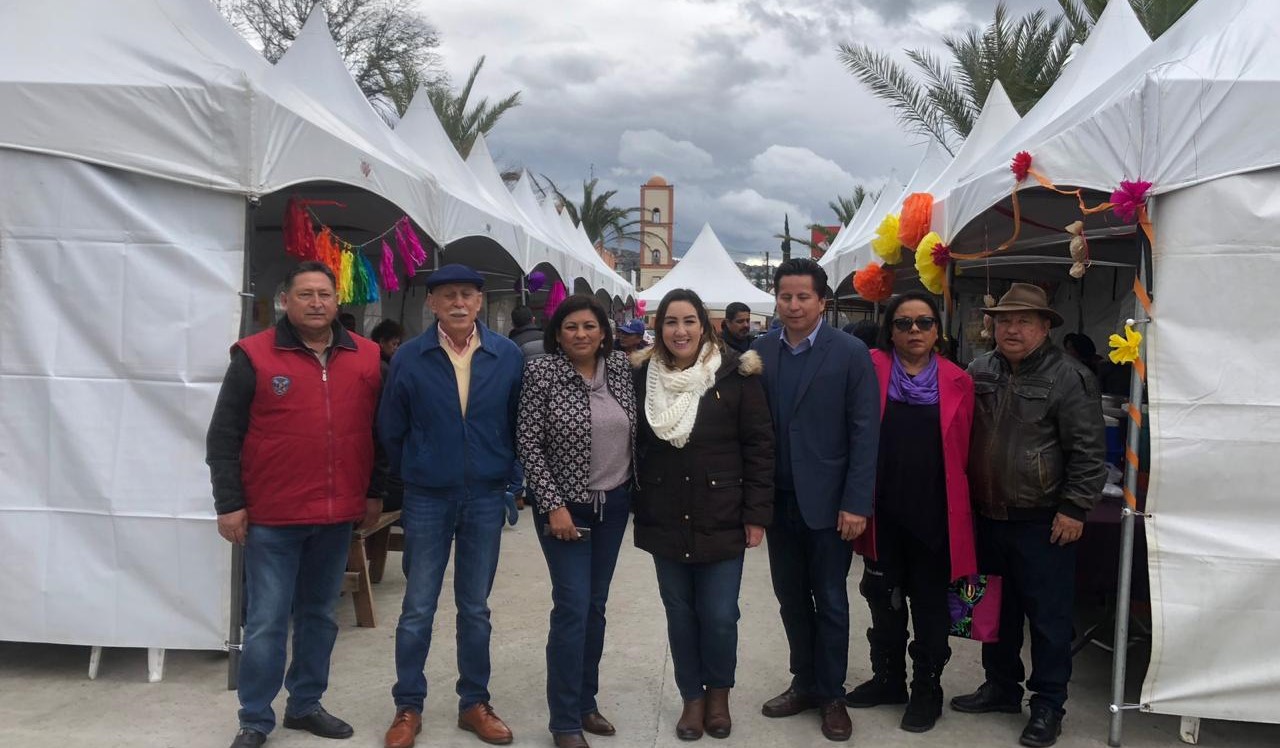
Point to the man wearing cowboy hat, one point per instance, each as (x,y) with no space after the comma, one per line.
(1036,468)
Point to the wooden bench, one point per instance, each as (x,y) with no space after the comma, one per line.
(366,561)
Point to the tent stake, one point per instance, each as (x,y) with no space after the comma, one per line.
(234,634)
(1120,652)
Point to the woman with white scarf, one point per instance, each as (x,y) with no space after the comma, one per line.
(705,460)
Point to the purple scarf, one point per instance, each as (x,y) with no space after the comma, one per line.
(922,389)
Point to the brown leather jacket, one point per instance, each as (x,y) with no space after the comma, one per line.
(1039,442)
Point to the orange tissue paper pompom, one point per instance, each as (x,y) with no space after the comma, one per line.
(873,282)
(915,219)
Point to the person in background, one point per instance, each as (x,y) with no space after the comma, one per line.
(824,398)
(705,449)
(865,330)
(1081,348)
(1036,468)
(921,537)
(526,334)
(448,421)
(388,334)
(348,321)
(735,330)
(293,462)
(577,430)
(631,337)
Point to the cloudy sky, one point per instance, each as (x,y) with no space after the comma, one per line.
(741,104)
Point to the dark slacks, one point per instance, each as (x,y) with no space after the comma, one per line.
(907,571)
(581,572)
(1039,584)
(810,570)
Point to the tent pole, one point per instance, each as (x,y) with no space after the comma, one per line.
(946,306)
(1120,652)
(234,638)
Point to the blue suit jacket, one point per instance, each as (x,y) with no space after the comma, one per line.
(835,427)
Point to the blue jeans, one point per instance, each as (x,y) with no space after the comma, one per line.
(702,621)
(432,522)
(810,571)
(298,569)
(580,575)
(1039,585)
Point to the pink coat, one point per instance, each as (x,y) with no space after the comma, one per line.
(955,398)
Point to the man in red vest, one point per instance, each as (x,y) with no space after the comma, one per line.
(291,453)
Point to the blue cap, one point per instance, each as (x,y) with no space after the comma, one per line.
(454,273)
(634,327)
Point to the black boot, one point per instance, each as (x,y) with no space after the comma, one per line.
(925,705)
(888,684)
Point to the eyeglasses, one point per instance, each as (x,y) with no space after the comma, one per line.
(904,324)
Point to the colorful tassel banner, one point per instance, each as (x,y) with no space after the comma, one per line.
(344,278)
(388,267)
(369,279)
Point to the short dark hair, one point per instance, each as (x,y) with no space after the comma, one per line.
(865,330)
(309,266)
(692,298)
(886,326)
(802,266)
(734,309)
(387,329)
(577,303)
(521,316)
(1082,344)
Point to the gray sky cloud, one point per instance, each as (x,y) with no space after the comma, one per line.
(742,104)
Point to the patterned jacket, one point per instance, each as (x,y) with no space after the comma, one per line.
(553,435)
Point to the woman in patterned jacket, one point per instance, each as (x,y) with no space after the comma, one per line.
(575,439)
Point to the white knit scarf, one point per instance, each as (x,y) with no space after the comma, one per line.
(671,399)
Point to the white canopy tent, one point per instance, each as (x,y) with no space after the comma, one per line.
(1183,113)
(707,269)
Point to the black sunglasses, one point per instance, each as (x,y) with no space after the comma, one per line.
(904,324)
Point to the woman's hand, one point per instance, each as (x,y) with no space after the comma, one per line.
(561,524)
(755,533)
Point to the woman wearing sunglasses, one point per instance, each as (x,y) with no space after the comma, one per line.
(921,537)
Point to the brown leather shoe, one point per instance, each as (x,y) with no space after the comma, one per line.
(718,722)
(570,740)
(836,724)
(596,724)
(404,729)
(481,720)
(689,726)
(788,703)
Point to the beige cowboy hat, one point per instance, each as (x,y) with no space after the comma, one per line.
(1024,297)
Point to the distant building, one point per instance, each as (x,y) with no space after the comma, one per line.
(657,231)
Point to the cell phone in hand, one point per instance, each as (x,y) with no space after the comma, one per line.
(583,532)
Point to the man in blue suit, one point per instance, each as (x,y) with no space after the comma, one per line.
(826,413)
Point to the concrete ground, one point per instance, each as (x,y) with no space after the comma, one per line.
(46,699)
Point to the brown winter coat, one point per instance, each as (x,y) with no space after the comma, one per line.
(693,503)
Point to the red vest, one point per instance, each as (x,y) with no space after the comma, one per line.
(308,454)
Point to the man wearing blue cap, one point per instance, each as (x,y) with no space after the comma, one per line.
(448,421)
(631,337)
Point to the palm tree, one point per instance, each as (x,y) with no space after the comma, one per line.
(846,208)
(461,119)
(1026,55)
(606,225)
(1156,15)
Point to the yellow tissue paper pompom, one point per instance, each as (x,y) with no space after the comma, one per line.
(886,244)
(931,274)
(1126,348)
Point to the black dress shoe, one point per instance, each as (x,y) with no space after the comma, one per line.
(321,724)
(789,702)
(1042,729)
(988,698)
(247,738)
(570,740)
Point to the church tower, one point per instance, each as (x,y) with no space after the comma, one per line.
(657,231)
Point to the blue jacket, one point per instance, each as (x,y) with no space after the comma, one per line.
(428,443)
(835,426)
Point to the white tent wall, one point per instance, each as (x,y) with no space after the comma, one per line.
(1215,426)
(707,269)
(118,303)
